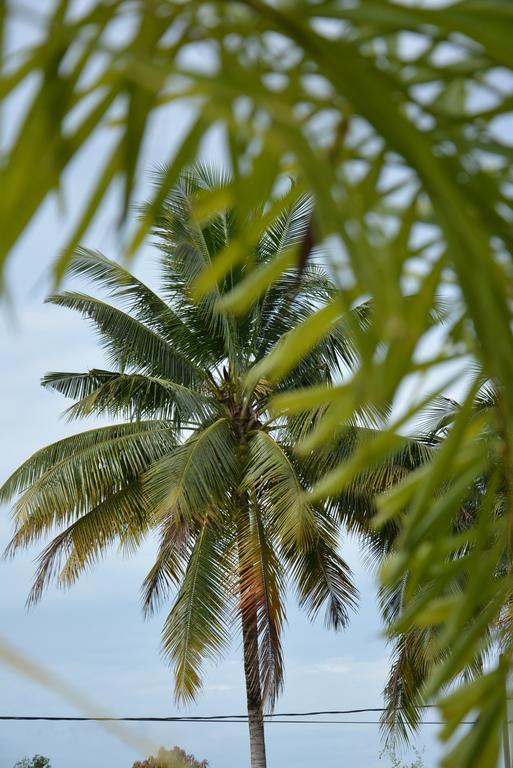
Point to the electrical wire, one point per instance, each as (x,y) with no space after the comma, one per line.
(303,718)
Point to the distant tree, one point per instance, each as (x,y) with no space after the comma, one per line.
(38,761)
(171,758)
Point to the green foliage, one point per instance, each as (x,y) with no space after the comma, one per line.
(392,118)
(171,758)
(347,61)
(38,761)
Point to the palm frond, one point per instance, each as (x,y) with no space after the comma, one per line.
(198,474)
(376,478)
(354,505)
(334,355)
(272,474)
(434,421)
(287,230)
(130,395)
(66,479)
(403,690)
(286,304)
(187,249)
(128,342)
(121,515)
(261,590)
(138,300)
(322,577)
(176,536)
(197,627)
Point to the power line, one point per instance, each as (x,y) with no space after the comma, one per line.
(214,722)
(289,718)
(201,718)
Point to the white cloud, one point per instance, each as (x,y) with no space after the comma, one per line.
(358,669)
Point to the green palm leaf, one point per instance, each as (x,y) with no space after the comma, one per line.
(122,516)
(323,578)
(62,481)
(272,472)
(197,626)
(131,343)
(136,298)
(130,395)
(176,536)
(195,475)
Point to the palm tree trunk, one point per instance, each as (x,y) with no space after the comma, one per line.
(249,621)
(253,691)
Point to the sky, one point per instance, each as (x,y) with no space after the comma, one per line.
(94,636)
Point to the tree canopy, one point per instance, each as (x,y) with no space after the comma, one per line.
(197,455)
(171,758)
(38,761)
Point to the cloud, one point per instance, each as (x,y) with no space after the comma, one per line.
(351,667)
(336,666)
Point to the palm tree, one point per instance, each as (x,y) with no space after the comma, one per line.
(415,653)
(199,457)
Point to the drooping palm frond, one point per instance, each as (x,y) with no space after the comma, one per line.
(416,655)
(322,578)
(123,515)
(261,584)
(196,474)
(197,626)
(271,471)
(403,690)
(406,455)
(64,480)
(176,536)
(409,667)
(131,395)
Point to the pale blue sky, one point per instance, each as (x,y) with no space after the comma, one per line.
(95,635)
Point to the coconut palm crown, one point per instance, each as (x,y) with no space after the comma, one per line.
(194,454)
